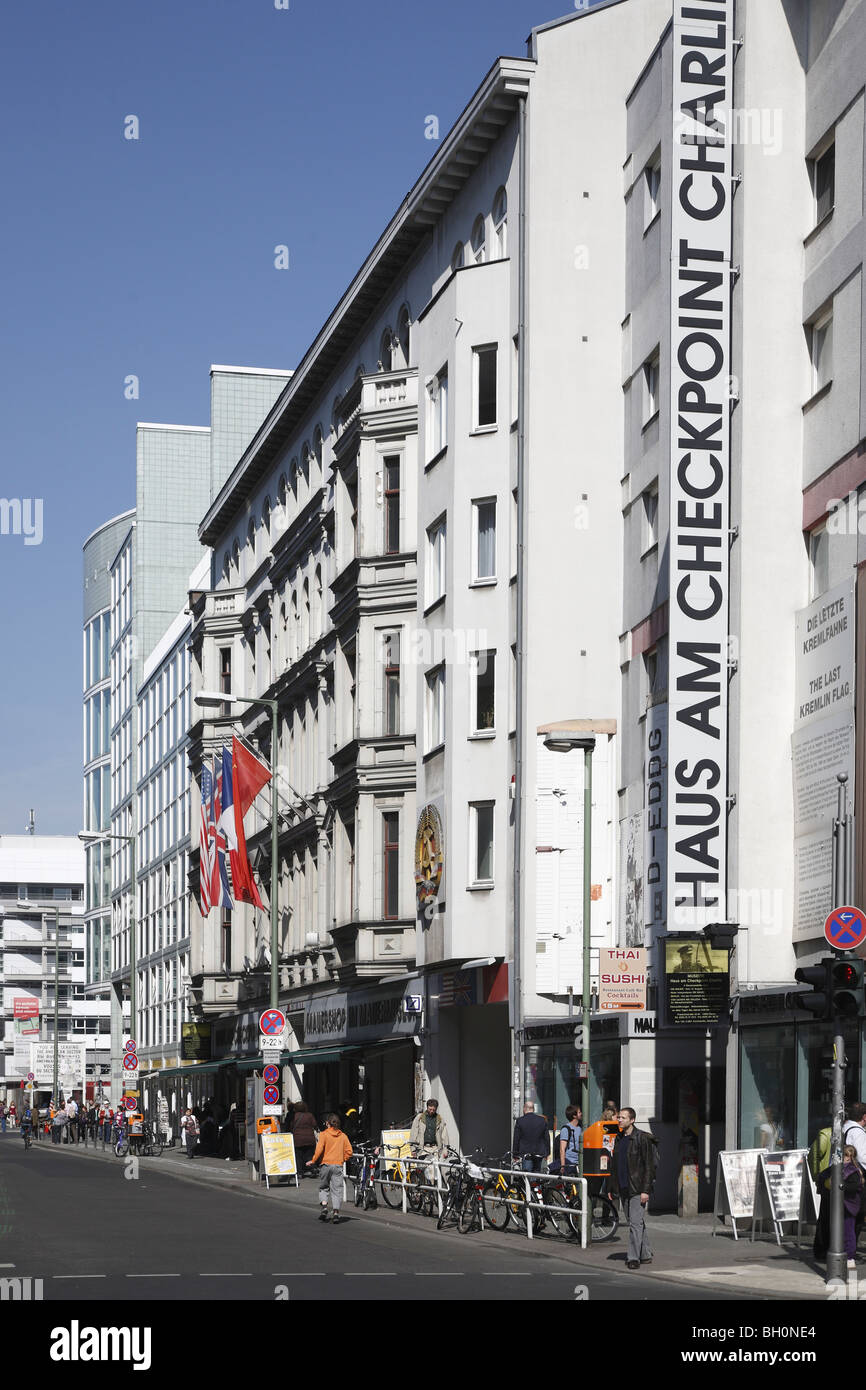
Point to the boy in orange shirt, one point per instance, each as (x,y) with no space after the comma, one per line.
(334,1148)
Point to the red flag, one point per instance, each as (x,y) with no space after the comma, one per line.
(249,777)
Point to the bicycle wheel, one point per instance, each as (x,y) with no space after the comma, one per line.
(392,1192)
(562,1217)
(470,1210)
(121,1148)
(360,1192)
(155,1148)
(605,1219)
(495,1208)
(515,1204)
(415,1190)
(447,1208)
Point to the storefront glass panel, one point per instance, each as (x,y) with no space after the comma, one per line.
(768,1073)
(816,1045)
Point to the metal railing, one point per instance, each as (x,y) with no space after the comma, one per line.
(389,1173)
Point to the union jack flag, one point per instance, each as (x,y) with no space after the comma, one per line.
(458,987)
(206,844)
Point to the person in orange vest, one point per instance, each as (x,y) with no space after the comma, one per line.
(334,1148)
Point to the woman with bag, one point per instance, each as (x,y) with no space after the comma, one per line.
(189,1129)
(305,1137)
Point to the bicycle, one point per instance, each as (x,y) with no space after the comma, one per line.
(545,1190)
(27,1135)
(398,1175)
(365,1191)
(147,1144)
(495,1196)
(463,1203)
(604,1216)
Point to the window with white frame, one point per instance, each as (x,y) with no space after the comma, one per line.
(458,256)
(391,489)
(391,678)
(391,865)
(650,374)
(484,540)
(652,177)
(484,387)
(436,543)
(481,844)
(823,172)
(482,675)
(500,224)
(437,414)
(479,240)
(821,351)
(649,518)
(435,711)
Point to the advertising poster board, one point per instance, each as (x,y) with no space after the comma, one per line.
(622,978)
(779,1189)
(697,982)
(736,1176)
(396,1145)
(278,1157)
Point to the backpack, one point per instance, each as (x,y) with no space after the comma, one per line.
(819,1153)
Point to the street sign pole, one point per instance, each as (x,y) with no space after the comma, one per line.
(842,889)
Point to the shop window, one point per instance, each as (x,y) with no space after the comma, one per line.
(767,1087)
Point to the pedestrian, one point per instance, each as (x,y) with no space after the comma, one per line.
(334,1148)
(305,1135)
(71,1135)
(570,1139)
(2,1117)
(13,1115)
(227,1134)
(632,1174)
(852,1199)
(189,1130)
(58,1124)
(286,1122)
(531,1143)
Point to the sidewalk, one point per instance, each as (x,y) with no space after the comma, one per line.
(685,1251)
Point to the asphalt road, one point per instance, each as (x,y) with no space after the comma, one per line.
(89,1233)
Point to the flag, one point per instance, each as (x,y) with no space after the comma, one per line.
(205,869)
(458,987)
(245,890)
(220,895)
(249,776)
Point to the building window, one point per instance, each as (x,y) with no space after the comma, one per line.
(481,843)
(652,177)
(819,558)
(457,257)
(391,657)
(403,331)
(649,518)
(435,713)
(479,235)
(500,224)
(436,538)
(651,388)
(386,351)
(391,858)
(484,540)
(821,352)
(352,490)
(824,182)
(437,414)
(483,686)
(391,469)
(484,387)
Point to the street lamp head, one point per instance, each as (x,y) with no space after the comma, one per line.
(211,697)
(564,743)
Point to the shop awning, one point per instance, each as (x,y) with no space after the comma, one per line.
(308,1055)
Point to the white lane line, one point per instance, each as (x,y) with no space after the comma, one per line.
(506,1274)
(370,1274)
(440,1274)
(7,1266)
(225,1276)
(79,1276)
(304,1274)
(152,1276)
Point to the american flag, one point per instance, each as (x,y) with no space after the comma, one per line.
(219,883)
(206,846)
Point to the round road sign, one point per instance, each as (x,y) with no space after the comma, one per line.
(272,1022)
(271,1074)
(271,1096)
(130,1062)
(30,1076)
(129,1046)
(130,1102)
(845,928)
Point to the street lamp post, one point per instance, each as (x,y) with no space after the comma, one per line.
(226,697)
(98,837)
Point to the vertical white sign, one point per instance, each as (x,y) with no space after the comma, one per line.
(699,462)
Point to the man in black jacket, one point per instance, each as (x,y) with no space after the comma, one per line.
(531,1144)
(632,1174)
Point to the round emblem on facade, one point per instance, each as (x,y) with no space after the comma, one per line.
(429,856)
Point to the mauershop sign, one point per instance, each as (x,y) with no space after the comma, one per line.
(362,1016)
(700,371)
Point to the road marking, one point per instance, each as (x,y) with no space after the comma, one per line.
(304,1274)
(7,1266)
(370,1274)
(225,1276)
(79,1276)
(507,1274)
(440,1274)
(152,1276)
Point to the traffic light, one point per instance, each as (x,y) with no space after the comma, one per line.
(848,988)
(820,977)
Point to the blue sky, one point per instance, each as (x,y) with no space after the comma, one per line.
(154,257)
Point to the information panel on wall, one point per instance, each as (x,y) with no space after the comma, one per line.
(697,981)
(700,384)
